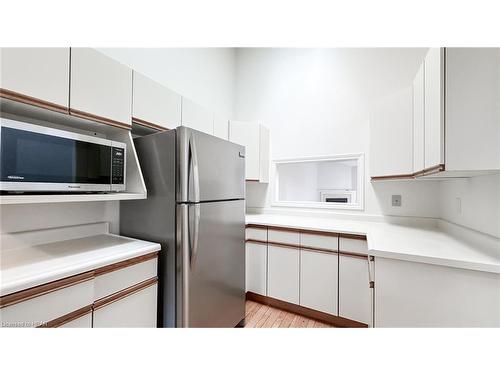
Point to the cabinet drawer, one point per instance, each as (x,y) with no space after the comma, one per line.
(137,309)
(40,305)
(122,275)
(353,245)
(318,241)
(258,234)
(283,236)
(81,322)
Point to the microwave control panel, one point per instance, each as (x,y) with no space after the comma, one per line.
(117,165)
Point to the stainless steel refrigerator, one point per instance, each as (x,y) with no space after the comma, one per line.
(196,210)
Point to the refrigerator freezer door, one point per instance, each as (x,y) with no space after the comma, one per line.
(209,168)
(213,274)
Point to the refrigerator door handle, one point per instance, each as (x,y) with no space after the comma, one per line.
(196,172)
(196,234)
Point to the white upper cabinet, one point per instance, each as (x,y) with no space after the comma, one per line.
(434,113)
(196,117)
(39,73)
(472,109)
(391,136)
(255,138)
(418,120)
(100,87)
(154,104)
(221,127)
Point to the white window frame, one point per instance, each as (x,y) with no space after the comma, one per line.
(360,192)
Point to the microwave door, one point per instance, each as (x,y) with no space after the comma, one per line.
(37,158)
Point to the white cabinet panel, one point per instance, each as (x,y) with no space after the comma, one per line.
(325,242)
(255,138)
(196,117)
(221,127)
(259,234)
(112,282)
(391,135)
(319,281)
(100,85)
(355,294)
(410,294)
(418,120)
(155,103)
(433,97)
(81,322)
(256,268)
(283,273)
(42,73)
(46,307)
(135,310)
(472,108)
(283,236)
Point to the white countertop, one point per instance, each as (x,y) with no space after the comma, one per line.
(425,243)
(36,264)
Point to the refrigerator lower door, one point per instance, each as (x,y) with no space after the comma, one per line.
(211,264)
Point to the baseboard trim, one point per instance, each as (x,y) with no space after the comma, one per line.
(334,320)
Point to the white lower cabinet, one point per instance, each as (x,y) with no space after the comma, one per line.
(319,281)
(137,309)
(42,308)
(283,273)
(81,322)
(256,268)
(122,294)
(355,294)
(410,294)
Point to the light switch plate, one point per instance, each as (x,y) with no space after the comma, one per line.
(396,200)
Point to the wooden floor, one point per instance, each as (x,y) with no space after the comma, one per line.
(263,316)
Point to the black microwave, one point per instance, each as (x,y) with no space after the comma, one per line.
(38,158)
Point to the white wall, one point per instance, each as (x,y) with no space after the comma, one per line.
(24,217)
(317,102)
(480,203)
(204,75)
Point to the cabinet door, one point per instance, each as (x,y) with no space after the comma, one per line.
(221,127)
(40,73)
(433,97)
(134,310)
(256,268)
(196,117)
(283,273)
(472,109)
(355,294)
(100,86)
(418,120)
(391,138)
(248,134)
(410,294)
(319,281)
(154,103)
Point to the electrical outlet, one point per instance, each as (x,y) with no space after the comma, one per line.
(458,202)
(396,200)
